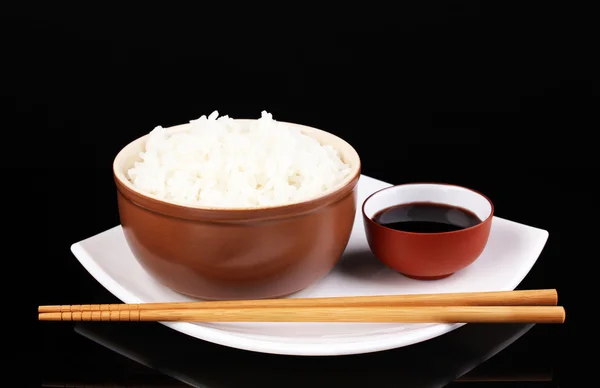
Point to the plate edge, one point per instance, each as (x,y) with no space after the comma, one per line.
(122,294)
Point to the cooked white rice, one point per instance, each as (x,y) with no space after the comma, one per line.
(221,162)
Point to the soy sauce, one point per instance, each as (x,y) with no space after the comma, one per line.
(426,217)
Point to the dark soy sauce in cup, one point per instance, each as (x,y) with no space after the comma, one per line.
(426,217)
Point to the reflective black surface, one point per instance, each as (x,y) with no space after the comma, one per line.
(436,363)
(499,99)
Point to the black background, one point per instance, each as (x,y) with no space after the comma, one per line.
(499,97)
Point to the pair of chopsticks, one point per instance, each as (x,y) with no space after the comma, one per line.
(525,306)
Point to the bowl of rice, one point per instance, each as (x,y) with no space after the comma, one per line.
(221,208)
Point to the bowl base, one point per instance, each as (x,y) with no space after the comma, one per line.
(438,277)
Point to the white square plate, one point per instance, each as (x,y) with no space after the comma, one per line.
(510,254)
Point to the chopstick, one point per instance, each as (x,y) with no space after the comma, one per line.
(543,297)
(406,314)
(525,306)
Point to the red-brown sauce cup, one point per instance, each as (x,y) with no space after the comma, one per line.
(427,256)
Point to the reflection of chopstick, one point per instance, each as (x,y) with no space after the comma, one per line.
(413,314)
(155,381)
(516,378)
(496,298)
(512,376)
(113,384)
(160,384)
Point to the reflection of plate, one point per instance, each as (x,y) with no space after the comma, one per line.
(511,252)
(430,364)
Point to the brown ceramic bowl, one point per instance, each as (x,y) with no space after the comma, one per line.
(237,253)
(428,256)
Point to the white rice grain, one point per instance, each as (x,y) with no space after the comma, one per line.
(221,162)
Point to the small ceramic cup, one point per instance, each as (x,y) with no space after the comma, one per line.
(427,256)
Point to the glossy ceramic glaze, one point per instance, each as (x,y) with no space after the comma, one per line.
(509,255)
(428,256)
(236,253)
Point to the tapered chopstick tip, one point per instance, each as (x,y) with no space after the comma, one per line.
(48,309)
(53,316)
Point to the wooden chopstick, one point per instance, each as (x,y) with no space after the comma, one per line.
(544,297)
(412,314)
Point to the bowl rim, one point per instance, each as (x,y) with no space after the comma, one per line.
(402,232)
(313,202)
